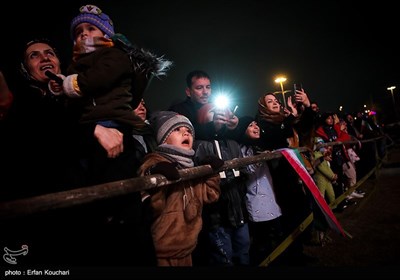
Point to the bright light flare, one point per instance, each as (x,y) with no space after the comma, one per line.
(280,79)
(221,101)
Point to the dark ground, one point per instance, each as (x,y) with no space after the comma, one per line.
(374,224)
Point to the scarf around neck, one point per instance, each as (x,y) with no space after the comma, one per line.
(90,45)
(183,157)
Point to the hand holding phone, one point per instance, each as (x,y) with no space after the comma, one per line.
(297,86)
(300,97)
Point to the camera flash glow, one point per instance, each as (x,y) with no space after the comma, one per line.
(221,101)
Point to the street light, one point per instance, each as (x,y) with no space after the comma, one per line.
(280,80)
(394,104)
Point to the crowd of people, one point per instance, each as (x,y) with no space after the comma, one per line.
(90,125)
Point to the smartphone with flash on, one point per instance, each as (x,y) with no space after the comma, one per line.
(234,111)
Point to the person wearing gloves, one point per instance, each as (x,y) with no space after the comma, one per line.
(177,208)
(99,78)
(97,87)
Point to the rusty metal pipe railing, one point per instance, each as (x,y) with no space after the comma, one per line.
(78,196)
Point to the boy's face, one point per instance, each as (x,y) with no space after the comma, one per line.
(181,137)
(253,130)
(86,30)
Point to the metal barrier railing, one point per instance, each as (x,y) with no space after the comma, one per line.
(308,220)
(78,196)
(64,199)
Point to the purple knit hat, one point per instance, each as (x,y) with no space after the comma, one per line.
(93,14)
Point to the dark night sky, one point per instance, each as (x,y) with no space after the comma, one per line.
(343,52)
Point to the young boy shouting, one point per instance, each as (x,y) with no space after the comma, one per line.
(177,208)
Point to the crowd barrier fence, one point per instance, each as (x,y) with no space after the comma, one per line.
(78,196)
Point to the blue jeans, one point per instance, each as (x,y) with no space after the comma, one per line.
(230,246)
